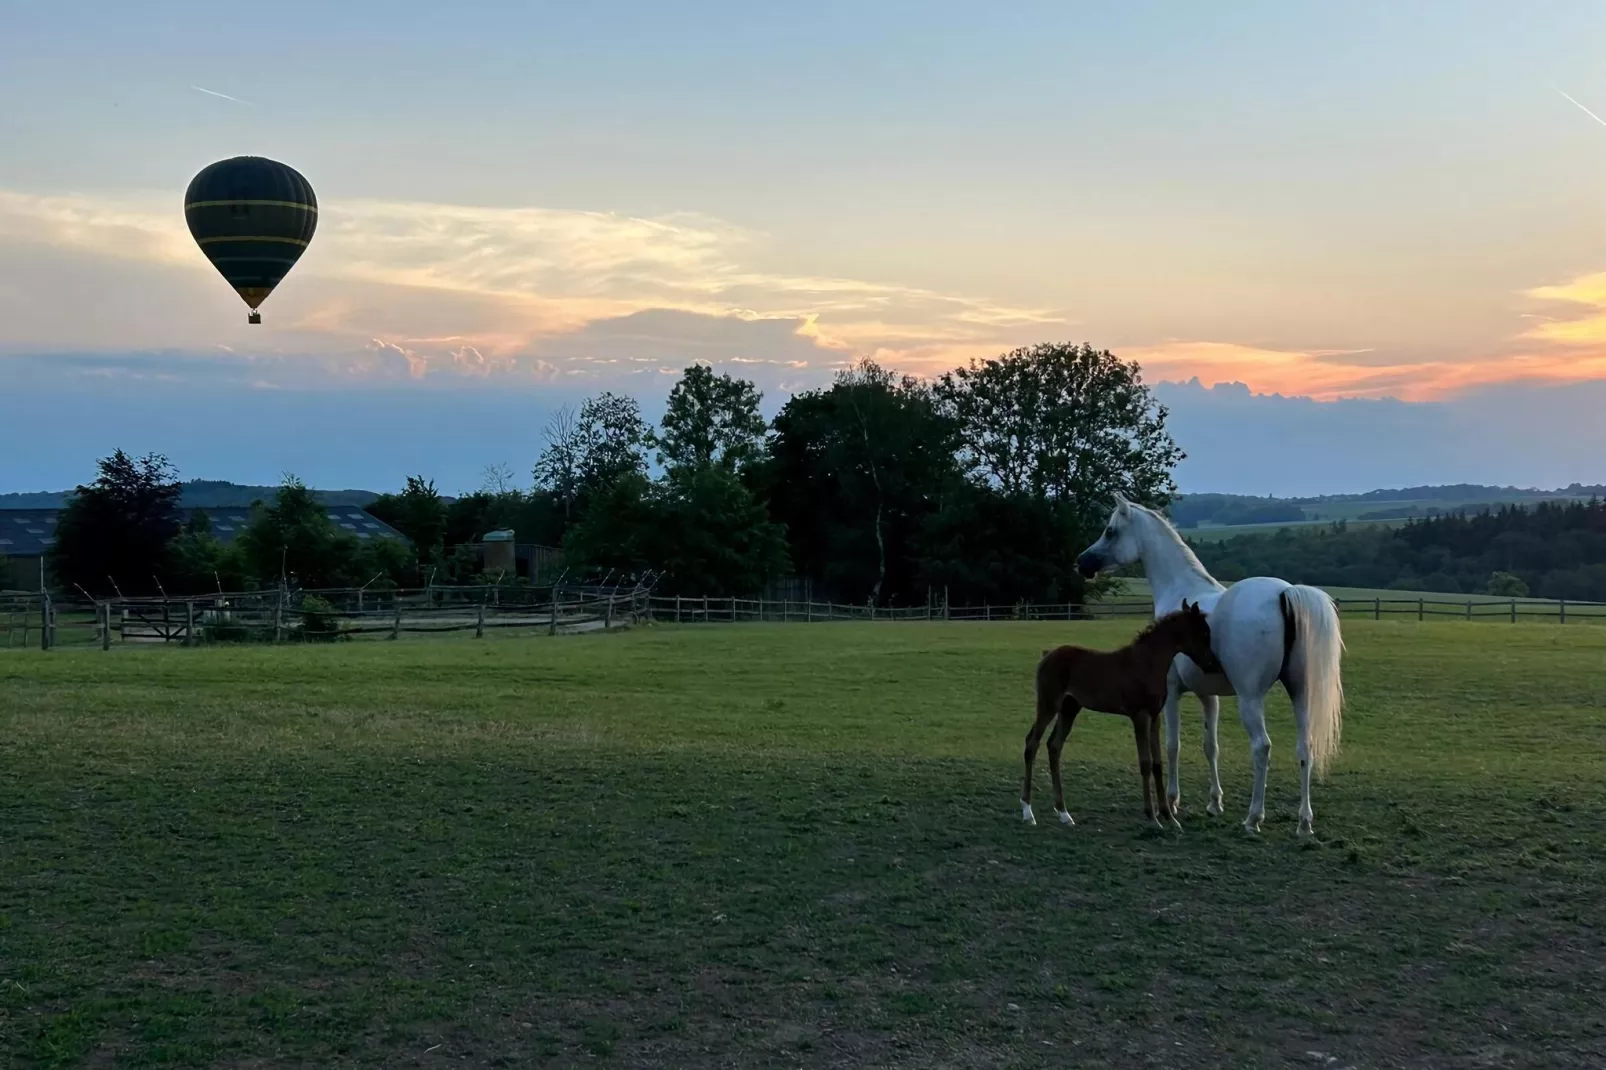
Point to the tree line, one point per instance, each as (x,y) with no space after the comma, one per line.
(1548,550)
(984,482)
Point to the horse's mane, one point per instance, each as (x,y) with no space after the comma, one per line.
(1163,526)
(1168,621)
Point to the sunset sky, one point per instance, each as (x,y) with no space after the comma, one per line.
(524,203)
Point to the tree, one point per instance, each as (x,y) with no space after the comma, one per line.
(292,540)
(711,419)
(1062,422)
(558,469)
(1505,585)
(199,563)
(418,513)
(854,472)
(613,440)
(985,546)
(699,526)
(114,533)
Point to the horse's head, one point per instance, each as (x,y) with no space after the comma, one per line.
(1190,629)
(1119,545)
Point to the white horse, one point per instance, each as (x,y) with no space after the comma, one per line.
(1263,630)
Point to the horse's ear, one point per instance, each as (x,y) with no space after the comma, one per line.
(1120,501)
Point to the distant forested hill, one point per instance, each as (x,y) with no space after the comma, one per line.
(198,494)
(1231,510)
(1548,550)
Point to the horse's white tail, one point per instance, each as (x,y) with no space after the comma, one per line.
(1321,645)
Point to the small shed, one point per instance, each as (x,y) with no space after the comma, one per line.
(500,552)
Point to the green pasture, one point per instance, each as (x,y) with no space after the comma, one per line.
(771,845)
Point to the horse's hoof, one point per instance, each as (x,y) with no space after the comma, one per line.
(1026,814)
(1065,818)
(1216,807)
(1252,826)
(1305,831)
(1176,826)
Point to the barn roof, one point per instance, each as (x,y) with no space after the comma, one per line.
(30,532)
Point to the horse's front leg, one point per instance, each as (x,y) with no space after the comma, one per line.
(1212,751)
(1173,735)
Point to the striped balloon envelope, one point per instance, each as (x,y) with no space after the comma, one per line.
(253,218)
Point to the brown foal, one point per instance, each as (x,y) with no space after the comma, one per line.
(1129,681)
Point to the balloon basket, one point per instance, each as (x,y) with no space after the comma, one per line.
(255,317)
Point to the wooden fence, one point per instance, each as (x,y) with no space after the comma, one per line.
(311,616)
(31,619)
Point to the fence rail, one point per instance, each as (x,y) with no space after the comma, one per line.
(32,619)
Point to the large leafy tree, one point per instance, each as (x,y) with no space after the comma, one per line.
(115,532)
(419,513)
(613,438)
(711,419)
(292,540)
(699,526)
(1062,422)
(855,471)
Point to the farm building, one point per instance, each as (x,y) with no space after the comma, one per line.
(27,534)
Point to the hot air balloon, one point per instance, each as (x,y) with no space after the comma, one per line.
(253,218)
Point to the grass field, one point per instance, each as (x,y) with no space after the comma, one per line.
(784,846)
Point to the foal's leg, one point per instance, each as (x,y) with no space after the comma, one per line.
(1167,815)
(1140,731)
(1212,751)
(1045,713)
(1056,743)
(1252,711)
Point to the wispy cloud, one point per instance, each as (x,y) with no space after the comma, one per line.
(223,96)
(502,279)
(1558,347)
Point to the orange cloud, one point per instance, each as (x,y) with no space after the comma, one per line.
(1572,348)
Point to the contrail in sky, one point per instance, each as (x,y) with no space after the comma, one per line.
(248,104)
(1580,107)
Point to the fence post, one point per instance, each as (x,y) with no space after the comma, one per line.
(52,618)
(607,613)
(278,619)
(705,609)
(479,622)
(395,616)
(106,626)
(1469,609)
(1513,611)
(872,607)
(44,621)
(1561,608)
(1377,609)
(552,627)
(945,601)
(189,623)
(733,609)
(1420,607)
(987,612)
(808,609)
